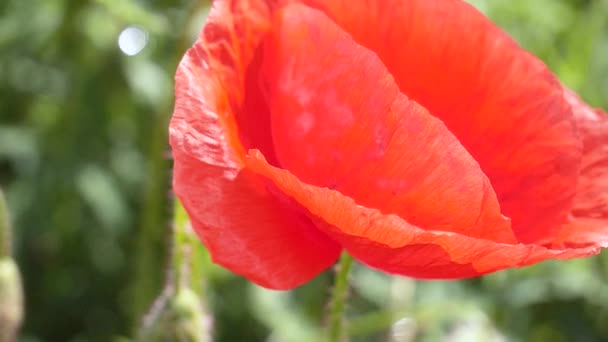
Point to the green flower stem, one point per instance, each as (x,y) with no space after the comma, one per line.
(188,253)
(336,329)
(181,257)
(179,313)
(5,229)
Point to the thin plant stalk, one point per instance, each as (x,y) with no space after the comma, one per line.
(336,325)
(180,312)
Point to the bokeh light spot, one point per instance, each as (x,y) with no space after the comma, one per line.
(132,40)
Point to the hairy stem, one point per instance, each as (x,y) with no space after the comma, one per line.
(336,329)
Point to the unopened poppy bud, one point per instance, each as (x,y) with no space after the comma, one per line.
(179,318)
(11,300)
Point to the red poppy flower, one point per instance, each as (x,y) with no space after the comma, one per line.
(416,135)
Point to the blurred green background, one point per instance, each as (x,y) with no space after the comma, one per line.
(84,164)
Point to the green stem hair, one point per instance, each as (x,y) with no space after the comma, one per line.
(336,325)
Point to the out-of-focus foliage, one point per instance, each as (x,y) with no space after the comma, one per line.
(83,160)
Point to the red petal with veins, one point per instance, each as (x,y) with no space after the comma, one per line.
(374,226)
(389,243)
(350,129)
(246,228)
(502,103)
(588,224)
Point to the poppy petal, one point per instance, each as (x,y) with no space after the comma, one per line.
(389,243)
(502,103)
(246,228)
(592,192)
(349,128)
(589,217)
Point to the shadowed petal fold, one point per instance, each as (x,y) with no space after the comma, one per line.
(246,229)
